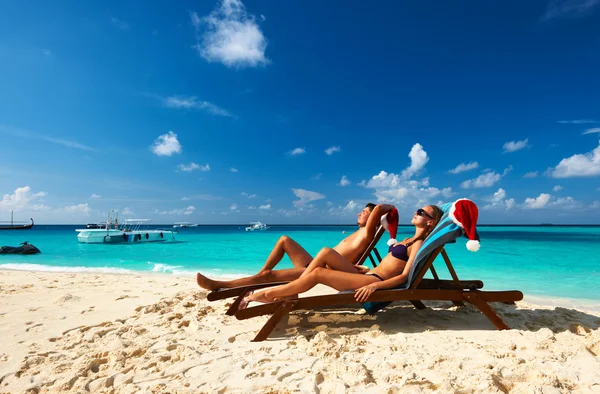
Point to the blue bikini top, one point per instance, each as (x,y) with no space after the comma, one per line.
(399,251)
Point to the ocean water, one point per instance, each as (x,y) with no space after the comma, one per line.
(555,262)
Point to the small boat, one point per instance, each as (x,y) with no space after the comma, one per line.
(257,226)
(13,226)
(130,231)
(25,248)
(184,225)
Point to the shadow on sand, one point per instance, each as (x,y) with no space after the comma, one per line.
(403,318)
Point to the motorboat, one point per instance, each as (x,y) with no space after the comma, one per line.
(12,225)
(25,248)
(257,226)
(184,225)
(129,231)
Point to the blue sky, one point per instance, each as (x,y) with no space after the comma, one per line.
(289,112)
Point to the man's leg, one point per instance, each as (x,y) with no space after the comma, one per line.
(285,245)
(263,277)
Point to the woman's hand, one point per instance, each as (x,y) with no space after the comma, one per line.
(364,292)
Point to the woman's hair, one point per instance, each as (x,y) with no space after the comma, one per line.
(437,215)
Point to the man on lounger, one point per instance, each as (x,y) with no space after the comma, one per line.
(351,248)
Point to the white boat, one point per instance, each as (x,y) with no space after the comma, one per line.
(130,231)
(184,225)
(257,226)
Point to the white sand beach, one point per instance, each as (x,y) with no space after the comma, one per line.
(108,333)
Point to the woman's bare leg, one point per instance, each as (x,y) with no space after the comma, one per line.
(336,279)
(285,245)
(263,277)
(328,257)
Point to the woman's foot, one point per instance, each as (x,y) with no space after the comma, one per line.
(206,283)
(260,296)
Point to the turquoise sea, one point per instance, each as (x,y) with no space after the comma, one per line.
(553,261)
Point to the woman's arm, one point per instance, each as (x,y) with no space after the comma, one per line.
(364,292)
(375,218)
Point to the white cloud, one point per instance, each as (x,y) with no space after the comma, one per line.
(127,212)
(46,52)
(233,207)
(318,176)
(96,196)
(595,204)
(580,165)
(306,196)
(119,23)
(569,9)
(344,181)
(205,168)
(532,174)
(577,121)
(22,199)
(499,195)
(192,102)
(591,131)
(250,196)
(251,207)
(498,200)
(69,144)
(514,146)
(166,145)
(484,180)
(265,207)
(400,189)
(231,36)
(537,203)
(183,211)
(557,188)
(79,208)
(418,159)
(189,167)
(58,141)
(297,151)
(331,150)
(462,167)
(510,203)
(234,169)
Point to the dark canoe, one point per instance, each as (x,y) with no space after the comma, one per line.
(17,227)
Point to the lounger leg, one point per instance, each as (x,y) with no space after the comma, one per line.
(270,325)
(236,304)
(418,304)
(486,309)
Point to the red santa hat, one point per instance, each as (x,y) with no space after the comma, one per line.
(389,221)
(464,213)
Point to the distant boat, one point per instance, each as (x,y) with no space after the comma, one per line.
(130,231)
(13,226)
(184,225)
(257,226)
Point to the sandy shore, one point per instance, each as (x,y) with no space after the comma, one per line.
(105,333)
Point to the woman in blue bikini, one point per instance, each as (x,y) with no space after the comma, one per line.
(391,272)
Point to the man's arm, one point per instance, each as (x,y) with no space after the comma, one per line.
(375,218)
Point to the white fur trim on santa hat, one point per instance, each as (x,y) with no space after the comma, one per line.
(391,241)
(451,212)
(473,245)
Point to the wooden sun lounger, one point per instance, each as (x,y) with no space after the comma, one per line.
(220,294)
(456,291)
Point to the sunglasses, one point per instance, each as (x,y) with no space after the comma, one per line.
(422,212)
